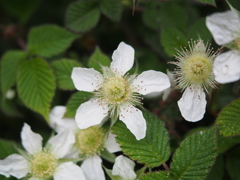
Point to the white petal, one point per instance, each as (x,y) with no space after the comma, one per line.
(86,79)
(31,141)
(192,104)
(123,58)
(111,144)
(62,143)
(69,171)
(226,67)
(134,120)
(224,26)
(92,168)
(151,81)
(124,167)
(58,123)
(14,165)
(90,113)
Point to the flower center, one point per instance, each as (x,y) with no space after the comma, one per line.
(115,89)
(43,165)
(90,141)
(197,68)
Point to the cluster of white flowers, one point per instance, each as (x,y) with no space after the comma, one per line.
(116,95)
(85,138)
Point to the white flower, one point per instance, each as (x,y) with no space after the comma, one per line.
(194,75)
(39,163)
(88,143)
(124,168)
(116,93)
(225,28)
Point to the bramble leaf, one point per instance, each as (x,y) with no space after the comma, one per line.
(36,85)
(81,16)
(112,9)
(98,59)
(63,70)
(228,119)
(195,156)
(153,150)
(49,40)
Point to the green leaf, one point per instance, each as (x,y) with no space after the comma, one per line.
(36,85)
(49,40)
(112,9)
(233,163)
(177,19)
(161,175)
(9,65)
(151,15)
(217,170)
(98,59)
(172,39)
(210,2)
(75,101)
(81,16)
(7,148)
(153,150)
(63,70)
(228,119)
(195,156)
(226,143)
(199,30)
(22,10)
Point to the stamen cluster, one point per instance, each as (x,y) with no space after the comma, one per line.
(90,141)
(195,66)
(43,165)
(117,90)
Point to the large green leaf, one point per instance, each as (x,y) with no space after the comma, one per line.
(63,70)
(210,2)
(233,163)
(225,143)
(172,39)
(7,148)
(161,175)
(217,170)
(81,16)
(151,15)
(195,156)
(9,65)
(49,40)
(199,30)
(75,101)
(36,85)
(22,10)
(228,119)
(112,9)
(153,150)
(98,59)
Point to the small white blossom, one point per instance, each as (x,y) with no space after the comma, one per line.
(116,92)
(194,75)
(42,163)
(225,28)
(10,94)
(88,143)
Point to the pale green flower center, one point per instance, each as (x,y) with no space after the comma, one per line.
(197,68)
(90,141)
(43,165)
(115,89)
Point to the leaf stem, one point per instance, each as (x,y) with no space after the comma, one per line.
(166,166)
